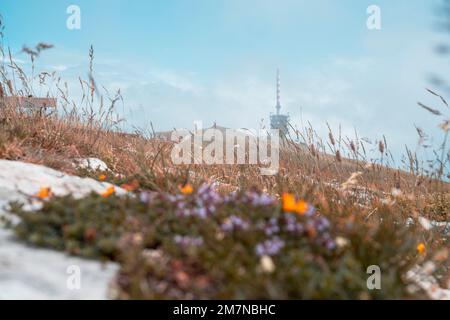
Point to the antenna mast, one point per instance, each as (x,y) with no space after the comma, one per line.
(278,92)
(279,121)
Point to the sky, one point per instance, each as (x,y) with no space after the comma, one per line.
(181,61)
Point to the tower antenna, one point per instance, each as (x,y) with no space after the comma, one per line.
(279,121)
(278,92)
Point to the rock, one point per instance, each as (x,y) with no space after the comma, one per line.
(33,273)
(19,181)
(442,225)
(422,278)
(93,164)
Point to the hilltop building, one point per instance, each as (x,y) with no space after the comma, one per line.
(279,121)
(29,103)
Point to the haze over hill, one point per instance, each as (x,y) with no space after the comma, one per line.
(179,63)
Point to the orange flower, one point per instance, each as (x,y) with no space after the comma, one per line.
(301,207)
(291,205)
(102,177)
(421,248)
(288,202)
(44,193)
(187,189)
(109,191)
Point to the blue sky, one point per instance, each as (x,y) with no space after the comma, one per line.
(181,61)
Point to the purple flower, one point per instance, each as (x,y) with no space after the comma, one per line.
(292,225)
(187,241)
(234,223)
(253,198)
(272,227)
(269,247)
(321,224)
(330,244)
(181,205)
(231,197)
(202,204)
(259,199)
(201,212)
(310,211)
(144,197)
(295,225)
(172,198)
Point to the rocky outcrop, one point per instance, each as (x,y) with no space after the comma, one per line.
(92,164)
(20,181)
(33,273)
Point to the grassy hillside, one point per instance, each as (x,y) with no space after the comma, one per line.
(199,231)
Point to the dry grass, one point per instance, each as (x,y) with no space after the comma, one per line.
(339,175)
(90,129)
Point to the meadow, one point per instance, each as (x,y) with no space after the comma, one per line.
(226,231)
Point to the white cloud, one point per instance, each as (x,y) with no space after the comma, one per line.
(59,68)
(177,81)
(14,59)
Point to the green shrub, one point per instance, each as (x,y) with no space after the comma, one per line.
(239,246)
